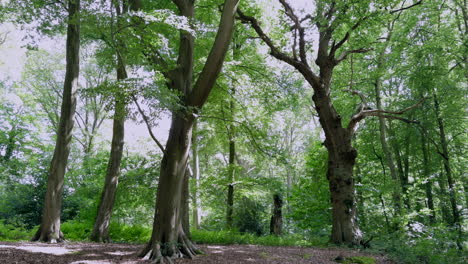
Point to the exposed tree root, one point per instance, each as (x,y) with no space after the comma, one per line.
(164,253)
(49,237)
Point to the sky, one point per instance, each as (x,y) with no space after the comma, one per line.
(13,57)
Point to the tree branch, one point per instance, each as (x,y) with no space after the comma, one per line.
(340,43)
(382,113)
(145,118)
(276,52)
(297,25)
(214,62)
(345,54)
(407,7)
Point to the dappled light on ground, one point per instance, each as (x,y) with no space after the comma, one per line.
(93,253)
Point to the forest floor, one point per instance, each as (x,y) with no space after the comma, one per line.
(93,253)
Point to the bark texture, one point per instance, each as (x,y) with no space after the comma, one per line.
(231,165)
(100,231)
(196,179)
(168,239)
(341,154)
(276,222)
(49,230)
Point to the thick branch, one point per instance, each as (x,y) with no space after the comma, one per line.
(297,25)
(215,59)
(276,52)
(382,113)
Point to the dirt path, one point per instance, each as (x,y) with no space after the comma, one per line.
(93,253)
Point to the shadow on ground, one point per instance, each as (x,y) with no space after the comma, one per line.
(94,253)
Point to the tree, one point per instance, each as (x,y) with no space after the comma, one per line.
(276,222)
(100,231)
(332,50)
(168,239)
(49,229)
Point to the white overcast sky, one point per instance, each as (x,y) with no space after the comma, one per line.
(13,57)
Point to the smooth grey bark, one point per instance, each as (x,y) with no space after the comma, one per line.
(195,178)
(168,239)
(185,203)
(100,231)
(49,230)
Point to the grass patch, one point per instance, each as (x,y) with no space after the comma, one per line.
(358,260)
(227,237)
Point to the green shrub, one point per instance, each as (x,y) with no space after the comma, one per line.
(76,230)
(431,245)
(9,232)
(226,237)
(358,260)
(249,216)
(125,233)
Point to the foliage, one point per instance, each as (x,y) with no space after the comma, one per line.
(10,232)
(316,198)
(278,139)
(225,237)
(358,260)
(422,244)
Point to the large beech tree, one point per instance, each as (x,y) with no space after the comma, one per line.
(331,19)
(49,230)
(100,231)
(168,239)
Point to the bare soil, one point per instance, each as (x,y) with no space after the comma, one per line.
(94,253)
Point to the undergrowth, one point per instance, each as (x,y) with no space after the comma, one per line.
(10,232)
(226,237)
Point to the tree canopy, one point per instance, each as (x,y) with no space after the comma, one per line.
(331,122)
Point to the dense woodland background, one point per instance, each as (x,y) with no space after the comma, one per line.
(258,155)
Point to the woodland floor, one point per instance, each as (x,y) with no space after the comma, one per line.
(93,253)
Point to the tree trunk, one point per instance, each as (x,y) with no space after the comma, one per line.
(196,178)
(276,222)
(341,160)
(168,239)
(49,231)
(448,169)
(100,231)
(386,149)
(427,177)
(231,165)
(402,165)
(185,203)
